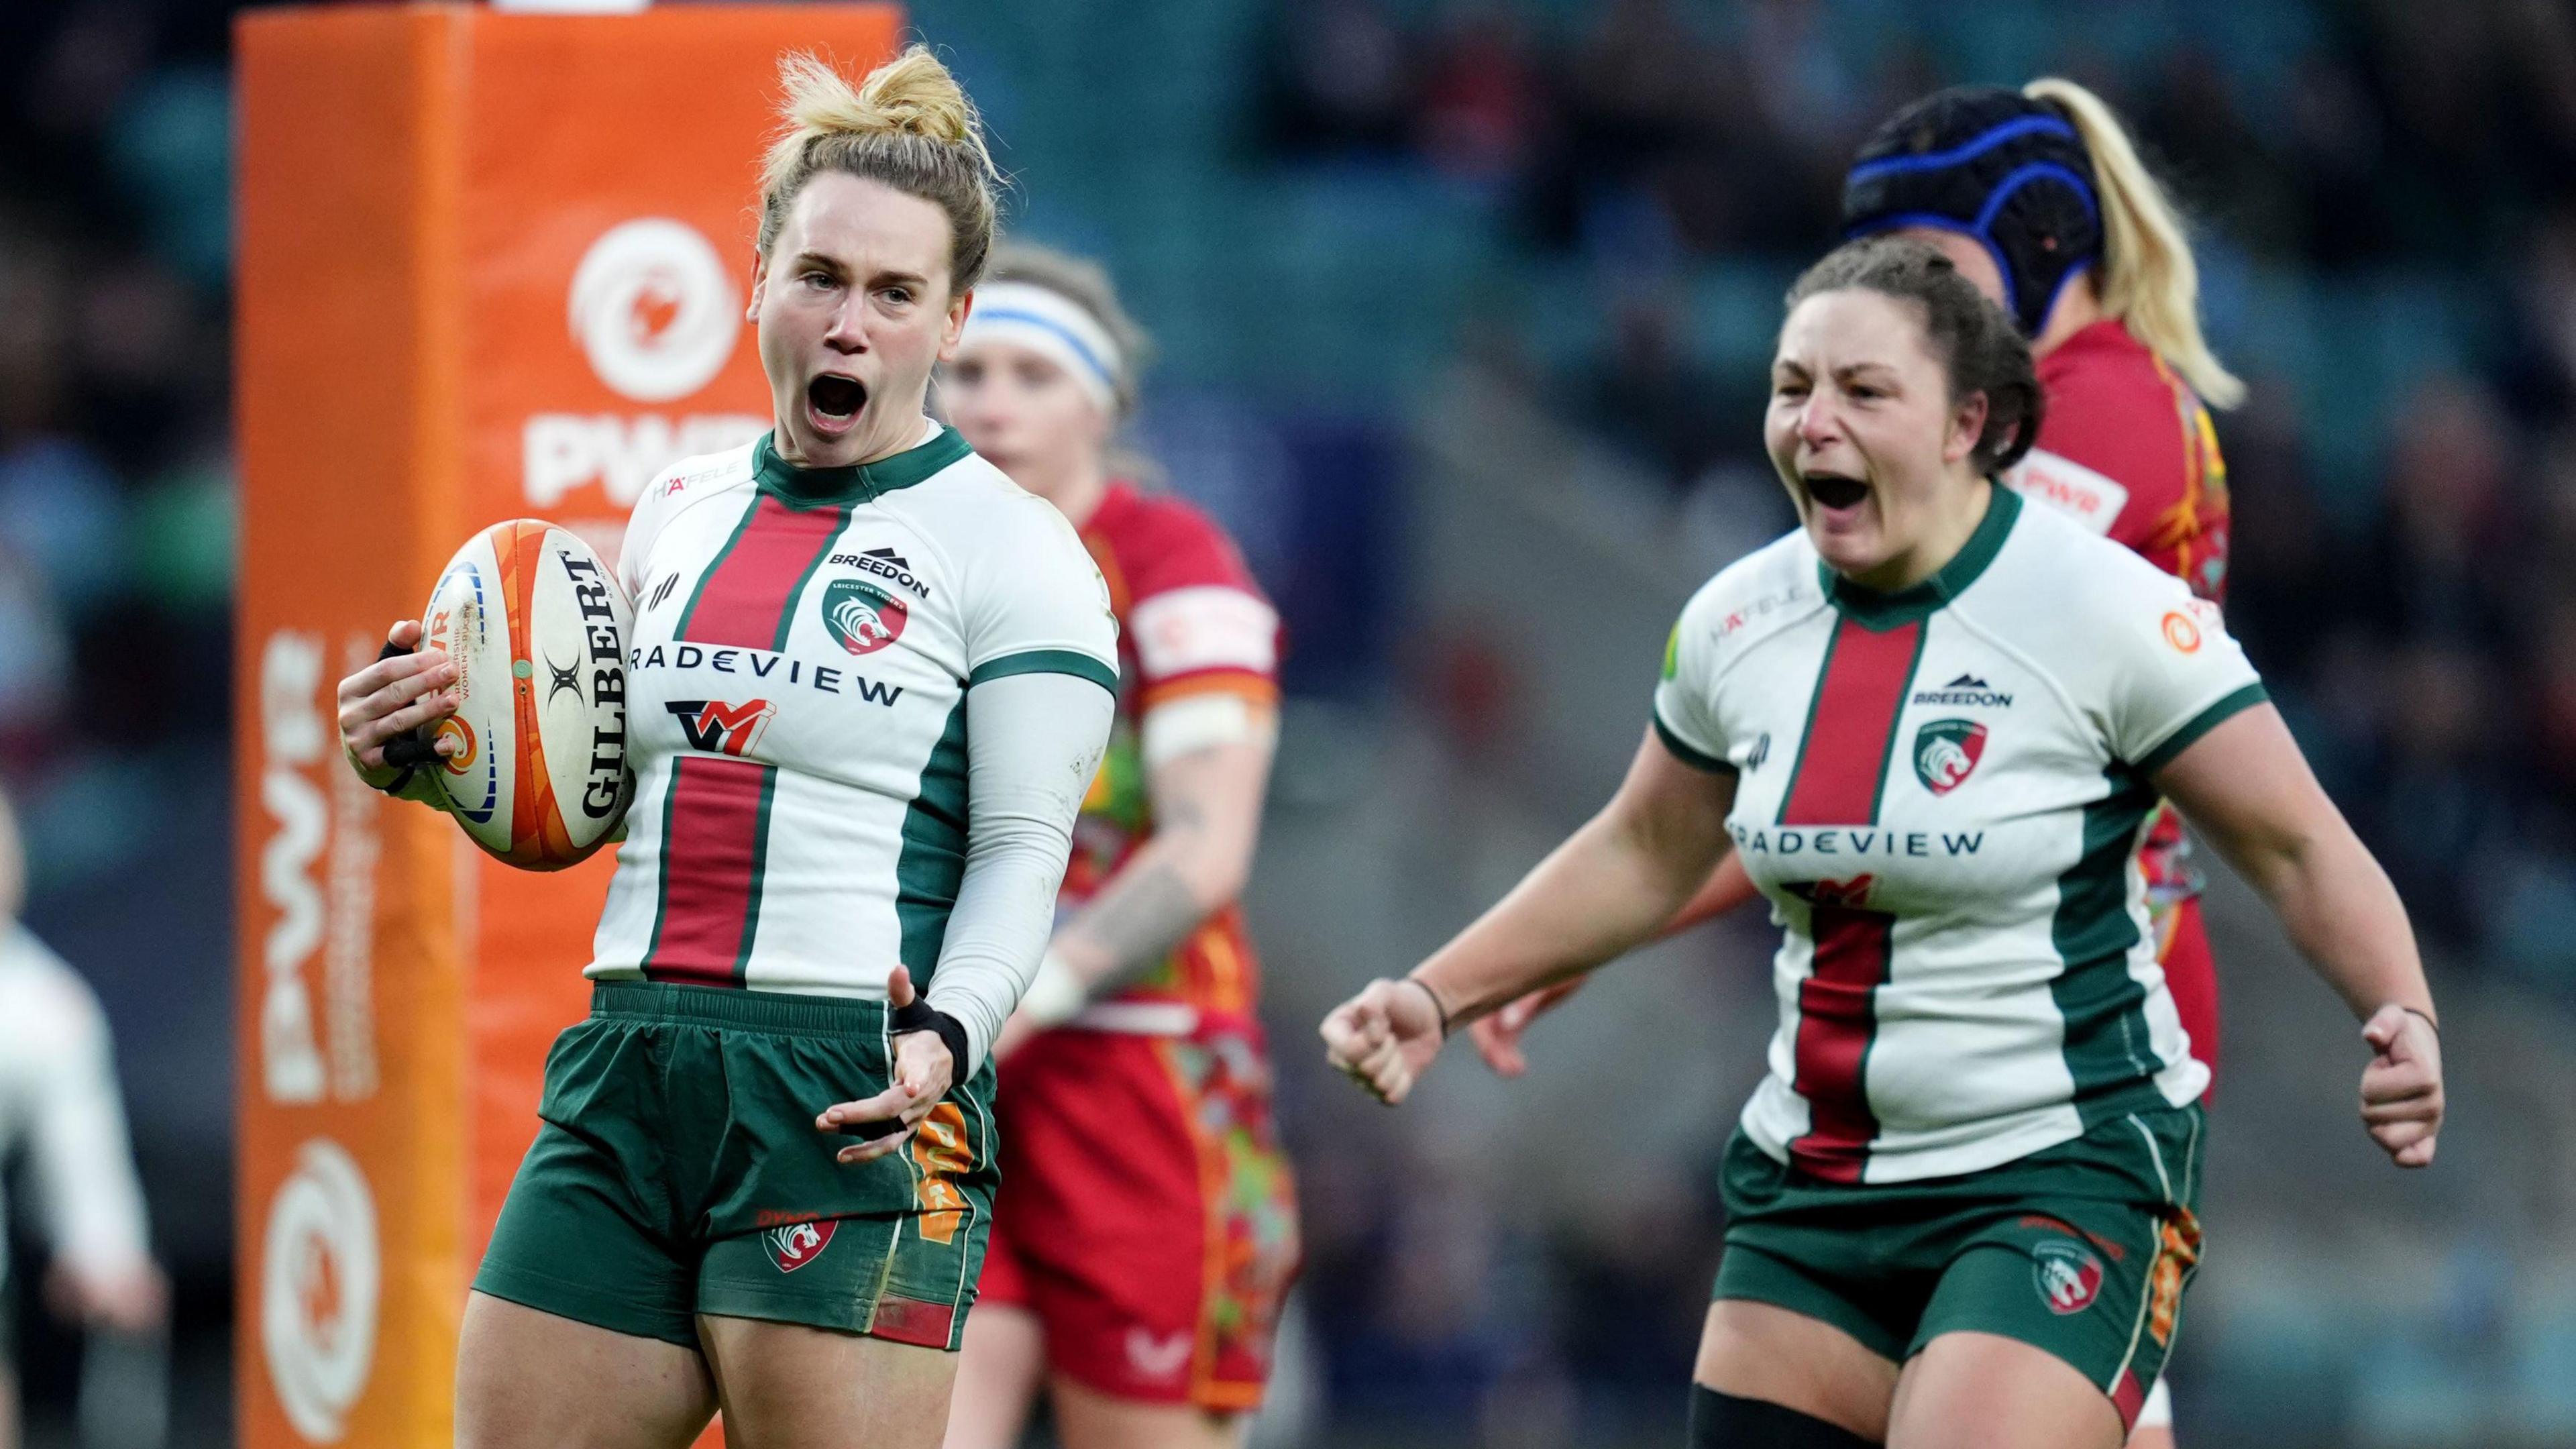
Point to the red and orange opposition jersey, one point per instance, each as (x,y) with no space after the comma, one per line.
(2128,450)
(1190,621)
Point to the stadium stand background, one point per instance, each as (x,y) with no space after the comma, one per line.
(1462,309)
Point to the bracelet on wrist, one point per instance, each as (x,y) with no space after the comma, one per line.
(1437,1004)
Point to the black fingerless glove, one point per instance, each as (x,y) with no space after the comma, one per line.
(922,1016)
(407,752)
(903,1021)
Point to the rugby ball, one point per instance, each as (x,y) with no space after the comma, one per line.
(536,626)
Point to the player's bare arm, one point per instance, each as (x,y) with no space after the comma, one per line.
(1207,819)
(1498,1034)
(1602,892)
(2248,789)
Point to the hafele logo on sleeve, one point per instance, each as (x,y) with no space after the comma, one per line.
(797,1244)
(1946,752)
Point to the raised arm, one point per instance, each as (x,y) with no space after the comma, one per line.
(1610,886)
(2247,789)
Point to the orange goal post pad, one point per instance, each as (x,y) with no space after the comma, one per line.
(492,265)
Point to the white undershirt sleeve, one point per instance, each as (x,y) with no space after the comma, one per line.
(1033,743)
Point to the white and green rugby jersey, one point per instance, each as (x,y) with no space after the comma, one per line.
(803,646)
(1942,792)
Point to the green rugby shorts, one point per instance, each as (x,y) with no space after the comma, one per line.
(2082,1250)
(678,1171)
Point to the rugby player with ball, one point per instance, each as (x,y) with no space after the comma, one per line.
(864,685)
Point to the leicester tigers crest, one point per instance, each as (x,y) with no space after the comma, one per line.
(1946,752)
(793,1246)
(862,617)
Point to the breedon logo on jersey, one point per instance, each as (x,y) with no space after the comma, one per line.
(862,616)
(722,728)
(886,564)
(1946,752)
(1968,690)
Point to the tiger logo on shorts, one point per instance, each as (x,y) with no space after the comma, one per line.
(2068,1275)
(797,1244)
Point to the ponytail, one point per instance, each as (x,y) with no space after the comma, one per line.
(2149,280)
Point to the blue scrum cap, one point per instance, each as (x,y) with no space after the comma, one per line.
(1992,164)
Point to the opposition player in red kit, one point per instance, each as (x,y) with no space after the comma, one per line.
(2039,197)
(1148,1234)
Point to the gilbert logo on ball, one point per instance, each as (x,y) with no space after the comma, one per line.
(653,309)
(1946,752)
(797,1244)
(863,617)
(320,1272)
(539,778)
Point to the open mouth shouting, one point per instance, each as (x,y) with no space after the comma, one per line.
(833,403)
(1836,497)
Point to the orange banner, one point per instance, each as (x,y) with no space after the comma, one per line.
(492,266)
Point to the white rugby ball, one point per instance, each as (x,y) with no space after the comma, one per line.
(536,627)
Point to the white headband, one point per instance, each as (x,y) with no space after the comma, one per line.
(1052,325)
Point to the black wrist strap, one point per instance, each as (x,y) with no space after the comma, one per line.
(922,1016)
(2426,1015)
(1436,1003)
(410,751)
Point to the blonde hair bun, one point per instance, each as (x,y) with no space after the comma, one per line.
(912,94)
(908,124)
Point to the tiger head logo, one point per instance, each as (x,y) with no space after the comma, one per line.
(1946,752)
(794,1245)
(863,617)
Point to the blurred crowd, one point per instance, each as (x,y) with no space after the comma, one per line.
(116,568)
(2335,133)
(116,477)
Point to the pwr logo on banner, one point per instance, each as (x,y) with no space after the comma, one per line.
(657,319)
(320,1273)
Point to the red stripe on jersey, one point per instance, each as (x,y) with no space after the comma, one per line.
(750,589)
(1851,725)
(703,930)
(1835,1025)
